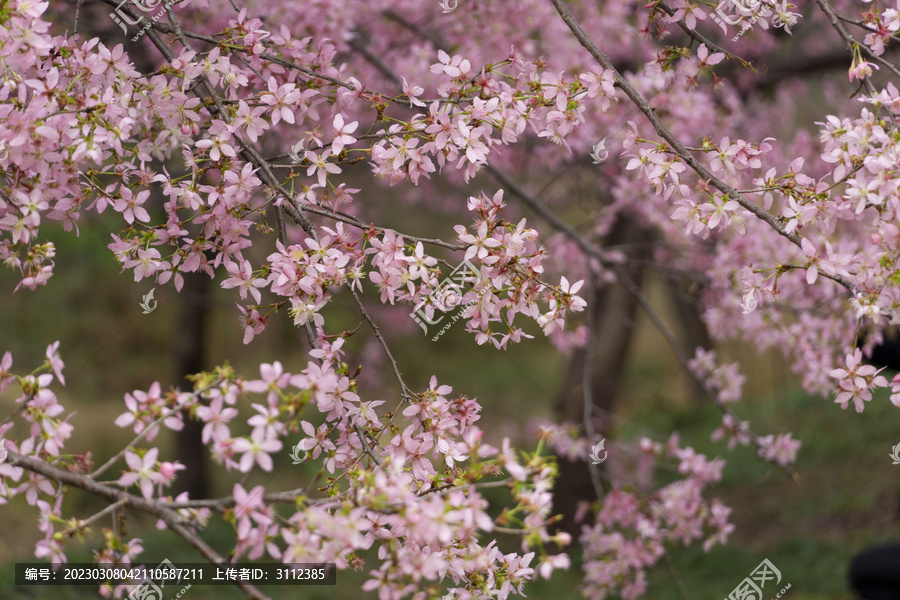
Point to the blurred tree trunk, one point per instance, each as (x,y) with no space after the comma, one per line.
(615,310)
(190,357)
(684,294)
(192,323)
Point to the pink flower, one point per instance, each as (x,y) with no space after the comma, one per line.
(862,70)
(53,360)
(250,120)
(142,471)
(267,419)
(218,147)
(342,133)
(468,139)
(130,206)
(565,288)
(452,452)
(690,12)
(507,460)
(216,418)
(5,365)
(249,505)
(53,549)
(812,271)
(256,449)
(319,164)
(412,93)
(455,67)
(252,323)
(480,244)
(707,60)
(282,100)
(855,381)
(549,563)
(242,278)
(146,264)
(167,471)
(782,450)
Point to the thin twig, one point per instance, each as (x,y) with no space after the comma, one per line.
(377,332)
(151,427)
(109,509)
(587,381)
(700,38)
(672,340)
(674,570)
(848,39)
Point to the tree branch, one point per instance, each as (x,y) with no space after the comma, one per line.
(674,142)
(175,521)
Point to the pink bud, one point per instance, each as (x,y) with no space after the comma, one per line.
(185,129)
(876,239)
(196,129)
(168,470)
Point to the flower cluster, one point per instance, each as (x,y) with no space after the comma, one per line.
(417,499)
(631,529)
(182,161)
(781,449)
(855,381)
(724,382)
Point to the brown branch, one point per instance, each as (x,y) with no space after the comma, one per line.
(175,521)
(849,42)
(700,38)
(680,149)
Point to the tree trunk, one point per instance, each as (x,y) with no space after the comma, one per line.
(190,358)
(684,296)
(614,314)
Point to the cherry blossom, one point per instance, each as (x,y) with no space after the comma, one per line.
(143,471)
(189,153)
(256,449)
